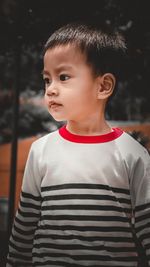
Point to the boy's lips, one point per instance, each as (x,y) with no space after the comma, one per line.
(53,104)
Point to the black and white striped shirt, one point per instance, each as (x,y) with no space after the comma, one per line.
(82,198)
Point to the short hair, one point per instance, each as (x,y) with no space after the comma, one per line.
(104,49)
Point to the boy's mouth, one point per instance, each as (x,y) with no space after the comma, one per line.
(54,104)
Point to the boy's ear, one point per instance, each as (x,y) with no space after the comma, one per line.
(106,84)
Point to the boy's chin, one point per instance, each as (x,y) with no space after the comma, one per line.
(58,119)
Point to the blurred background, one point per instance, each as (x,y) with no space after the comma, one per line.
(25,25)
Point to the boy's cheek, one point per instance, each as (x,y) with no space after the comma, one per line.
(46,99)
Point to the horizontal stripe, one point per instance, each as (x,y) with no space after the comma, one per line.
(84,247)
(22,240)
(141,227)
(86,257)
(142,217)
(142,207)
(111,238)
(19,263)
(20,248)
(85,207)
(20,256)
(28,214)
(145,228)
(84,186)
(86,228)
(30,205)
(30,196)
(25,232)
(67,264)
(84,218)
(86,196)
(24,223)
(79,236)
(144,236)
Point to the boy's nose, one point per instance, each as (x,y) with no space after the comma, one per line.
(52,89)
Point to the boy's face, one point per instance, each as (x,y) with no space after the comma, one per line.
(70,86)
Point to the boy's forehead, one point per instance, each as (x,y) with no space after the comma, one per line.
(64,52)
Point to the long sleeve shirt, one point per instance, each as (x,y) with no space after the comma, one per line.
(82,200)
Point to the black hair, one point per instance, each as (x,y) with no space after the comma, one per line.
(104,49)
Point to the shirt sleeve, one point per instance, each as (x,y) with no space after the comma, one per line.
(141,200)
(27,216)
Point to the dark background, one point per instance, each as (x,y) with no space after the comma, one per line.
(25,25)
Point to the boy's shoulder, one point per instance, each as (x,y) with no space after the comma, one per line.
(131,147)
(126,137)
(46,139)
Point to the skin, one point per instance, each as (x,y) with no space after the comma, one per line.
(73,94)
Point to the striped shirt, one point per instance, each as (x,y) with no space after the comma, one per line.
(83,198)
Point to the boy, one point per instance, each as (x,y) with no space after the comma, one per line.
(86,187)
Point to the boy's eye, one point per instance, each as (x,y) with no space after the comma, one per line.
(64,77)
(46,81)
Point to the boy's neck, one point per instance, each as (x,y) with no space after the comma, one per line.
(88,128)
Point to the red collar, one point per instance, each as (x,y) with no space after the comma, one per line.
(90,139)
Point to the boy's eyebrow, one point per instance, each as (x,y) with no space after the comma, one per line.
(44,72)
(64,66)
(59,68)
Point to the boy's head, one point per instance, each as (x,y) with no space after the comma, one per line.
(104,50)
(81,65)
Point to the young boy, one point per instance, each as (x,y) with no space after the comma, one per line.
(86,186)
